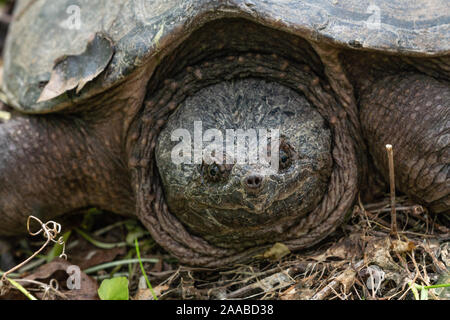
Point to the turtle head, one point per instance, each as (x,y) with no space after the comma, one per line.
(241,158)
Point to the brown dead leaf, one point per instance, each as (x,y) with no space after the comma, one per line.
(146,294)
(400,246)
(58,269)
(74,71)
(87,255)
(347,279)
(296,292)
(377,252)
(345,249)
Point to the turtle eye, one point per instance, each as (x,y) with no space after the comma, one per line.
(285,157)
(213,172)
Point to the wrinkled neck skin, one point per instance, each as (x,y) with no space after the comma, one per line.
(230,54)
(55,164)
(352,91)
(404,101)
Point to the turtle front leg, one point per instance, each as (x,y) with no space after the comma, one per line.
(56,164)
(411,112)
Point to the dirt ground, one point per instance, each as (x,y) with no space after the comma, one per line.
(361,260)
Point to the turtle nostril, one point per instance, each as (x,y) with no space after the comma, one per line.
(253,182)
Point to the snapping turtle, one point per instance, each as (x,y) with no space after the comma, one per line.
(127,105)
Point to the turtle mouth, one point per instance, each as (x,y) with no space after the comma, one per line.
(251,204)
(259,204)
(254,204)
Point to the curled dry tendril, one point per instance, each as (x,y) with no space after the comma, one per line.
(50,231)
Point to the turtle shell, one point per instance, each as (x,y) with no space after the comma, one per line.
(59,53)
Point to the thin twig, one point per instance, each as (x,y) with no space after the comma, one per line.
(390,153)
(50,231)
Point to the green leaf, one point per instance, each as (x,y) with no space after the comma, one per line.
(102,245)
(414,290)
(134,234)
(424,294)
(143,270)
(89,218)
(114,289)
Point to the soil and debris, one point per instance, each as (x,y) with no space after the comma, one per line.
(361,260)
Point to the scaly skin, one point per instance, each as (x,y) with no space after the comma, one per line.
(57,164)
(411,102)
(106,147)
(60,163)
(242,197)
(233,54)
